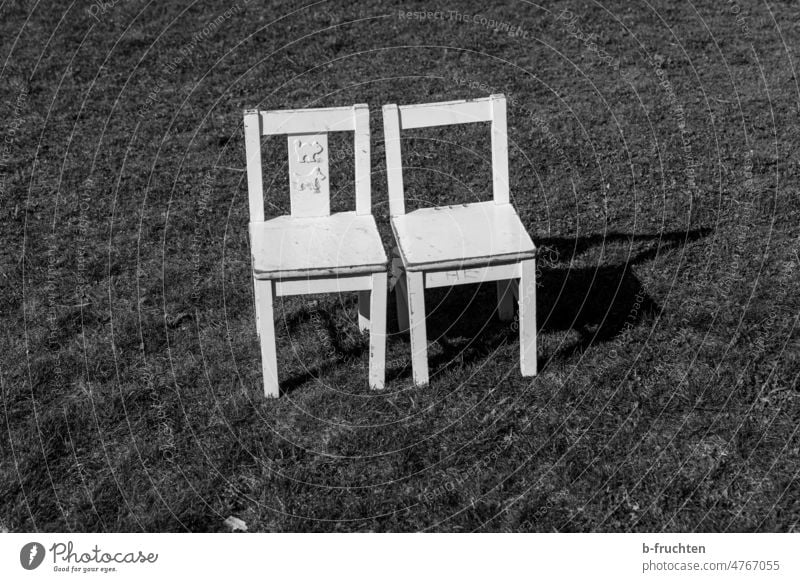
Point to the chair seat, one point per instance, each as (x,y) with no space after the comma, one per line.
(339,244)
(467,235)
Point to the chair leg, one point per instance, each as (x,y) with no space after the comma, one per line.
(377,332)
(255,300)
(266,325)
(363,310)
(527,318)
(505,300)
(401,301)
(419,335)
(400,291)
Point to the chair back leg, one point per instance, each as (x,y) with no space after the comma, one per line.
(400,291)
(401,302)
(363,310)
(505,300)
(255,301)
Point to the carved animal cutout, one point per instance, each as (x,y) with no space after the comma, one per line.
(309,179)
(307,152)
(312,181)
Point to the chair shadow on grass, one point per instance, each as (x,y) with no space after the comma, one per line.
(597,302)
(323,318)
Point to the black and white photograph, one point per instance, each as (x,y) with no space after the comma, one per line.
(498,267)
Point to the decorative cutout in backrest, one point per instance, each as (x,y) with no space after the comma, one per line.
(308,175)
(307,151)
(312,182)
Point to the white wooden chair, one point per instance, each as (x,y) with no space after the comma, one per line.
(468,243)
(312,250)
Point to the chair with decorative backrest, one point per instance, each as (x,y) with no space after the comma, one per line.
(313,251)
(467,243)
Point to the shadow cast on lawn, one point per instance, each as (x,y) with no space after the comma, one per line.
(339,352)
(597,302)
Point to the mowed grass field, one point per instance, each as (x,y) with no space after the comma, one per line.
(654,160)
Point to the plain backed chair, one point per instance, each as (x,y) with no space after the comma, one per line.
(467,243)
(312,250)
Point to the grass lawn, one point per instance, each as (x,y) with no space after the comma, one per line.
(653,158)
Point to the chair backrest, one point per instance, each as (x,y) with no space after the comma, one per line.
(307,131)
(396,118)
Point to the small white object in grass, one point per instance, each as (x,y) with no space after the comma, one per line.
(236,524)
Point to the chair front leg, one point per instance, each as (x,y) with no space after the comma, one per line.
(266,325)
(527,318)
(505,300)
(363,310)
(377,332)
(419,335)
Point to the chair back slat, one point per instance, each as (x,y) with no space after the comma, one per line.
(446,113)
(397,118)
(309,189)
(309,172)
(307,120)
